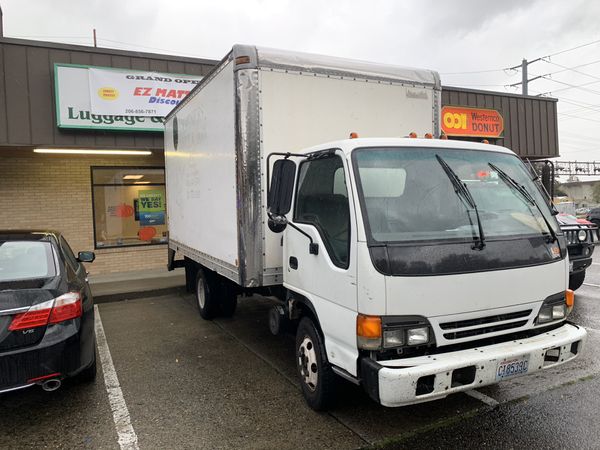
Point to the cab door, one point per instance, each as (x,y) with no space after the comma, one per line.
(323,210)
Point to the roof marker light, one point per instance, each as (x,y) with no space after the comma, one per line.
(428,136)
(353,135)
(242,60)
(412,135)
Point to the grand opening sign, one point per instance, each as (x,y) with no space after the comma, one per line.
(150,94)
(474,122)
(116,99)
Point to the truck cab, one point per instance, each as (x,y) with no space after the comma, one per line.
(419,267)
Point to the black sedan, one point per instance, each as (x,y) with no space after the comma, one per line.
(46,312)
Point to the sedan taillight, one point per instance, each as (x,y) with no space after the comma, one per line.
(66,307)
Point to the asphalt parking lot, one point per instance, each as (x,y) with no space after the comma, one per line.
(171,380)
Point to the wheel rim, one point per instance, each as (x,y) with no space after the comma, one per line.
(307,362)
(200,295)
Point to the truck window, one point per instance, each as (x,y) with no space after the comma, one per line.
(322,201)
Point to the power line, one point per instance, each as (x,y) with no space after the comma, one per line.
(577,117)
(51,37)
(569,68)
(571,86)
(152,48)
(515,68)
(473,72)
(572,69)
(571,49)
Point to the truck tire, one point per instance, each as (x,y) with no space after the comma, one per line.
(576,280)
(316,376)
(227,298)
(190,275)
(206,295)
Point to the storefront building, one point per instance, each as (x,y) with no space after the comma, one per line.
(113,202)
(527,125)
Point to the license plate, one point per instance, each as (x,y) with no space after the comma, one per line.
(570,267)
(512,367)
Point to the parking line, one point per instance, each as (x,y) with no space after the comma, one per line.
(127,437)
(482,398)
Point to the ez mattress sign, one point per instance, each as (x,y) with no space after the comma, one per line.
(474,122)
(148,94)
(138,104)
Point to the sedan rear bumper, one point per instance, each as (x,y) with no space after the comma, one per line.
(421,379)
(61,351)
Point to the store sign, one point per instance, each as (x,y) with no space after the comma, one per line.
(475,122)
(74,104)
(148,94)
(151,206)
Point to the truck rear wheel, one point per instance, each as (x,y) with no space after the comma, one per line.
(316,376)
(205,295)
(227,298)
(576,280)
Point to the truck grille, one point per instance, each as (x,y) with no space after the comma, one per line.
(485,325)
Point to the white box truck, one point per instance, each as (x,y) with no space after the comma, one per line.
(414,267)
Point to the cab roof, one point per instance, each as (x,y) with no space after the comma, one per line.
(348,145)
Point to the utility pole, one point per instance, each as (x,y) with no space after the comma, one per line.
(524,80)
(95,38)
(523,72)
(1,29)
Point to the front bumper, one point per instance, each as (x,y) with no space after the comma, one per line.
(414,380)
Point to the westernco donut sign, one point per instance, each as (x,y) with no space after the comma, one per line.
(459,121)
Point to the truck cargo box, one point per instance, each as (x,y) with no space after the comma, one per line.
(258,101)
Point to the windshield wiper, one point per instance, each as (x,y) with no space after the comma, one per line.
(512,183)
(464,194)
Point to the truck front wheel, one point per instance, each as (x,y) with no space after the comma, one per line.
(316,376)
(576,280)
(205,295)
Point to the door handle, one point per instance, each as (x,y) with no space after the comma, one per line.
(293,262)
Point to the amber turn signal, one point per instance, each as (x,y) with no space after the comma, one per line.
(368,326)
(569,298)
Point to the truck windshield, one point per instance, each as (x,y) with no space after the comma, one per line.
(408,197)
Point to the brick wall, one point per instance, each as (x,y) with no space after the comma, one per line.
(54,192)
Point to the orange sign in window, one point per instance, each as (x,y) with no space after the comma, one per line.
(476,122)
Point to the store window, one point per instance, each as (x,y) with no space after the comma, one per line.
(129,206)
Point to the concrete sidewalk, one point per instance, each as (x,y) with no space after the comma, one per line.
(136,284)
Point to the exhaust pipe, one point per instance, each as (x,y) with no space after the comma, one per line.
(51,385)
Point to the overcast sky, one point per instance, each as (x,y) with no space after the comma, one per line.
(453,37)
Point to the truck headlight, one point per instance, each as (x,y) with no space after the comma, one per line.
(559,312)
(582,235)
(392,332)
(545,314)
(417,336)
(393,338)
(555,307)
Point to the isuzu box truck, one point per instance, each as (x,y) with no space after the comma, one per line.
(416,268)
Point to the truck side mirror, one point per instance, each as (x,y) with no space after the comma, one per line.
(279,200)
